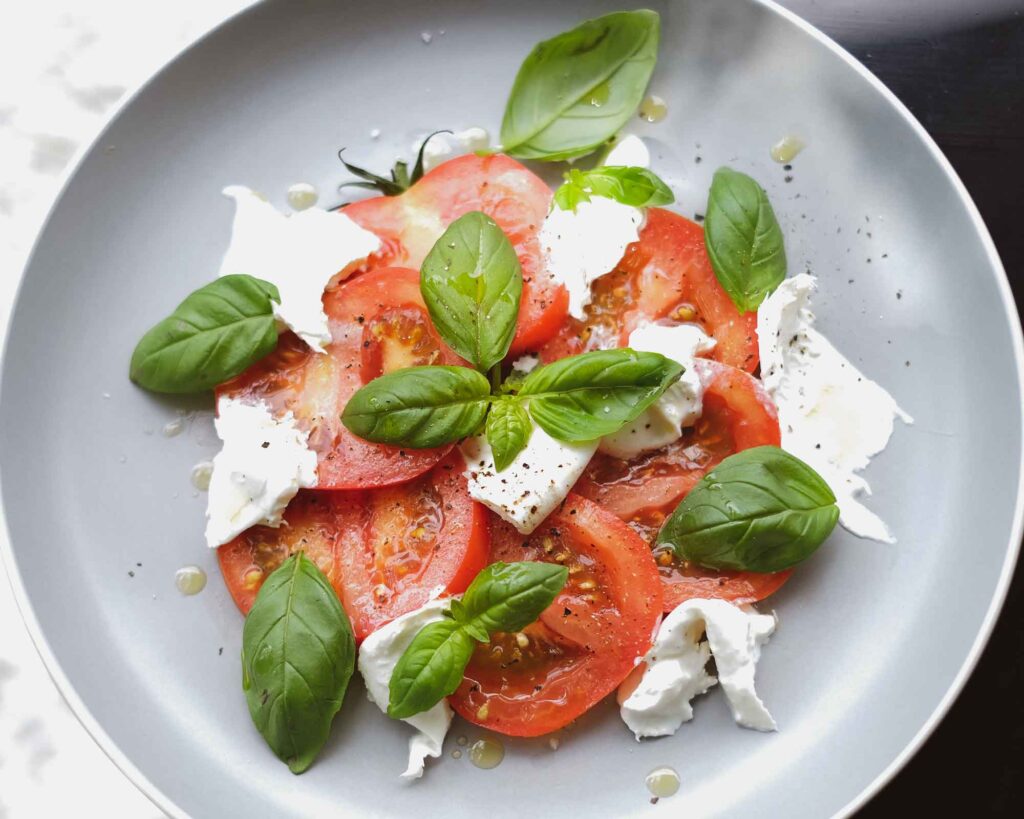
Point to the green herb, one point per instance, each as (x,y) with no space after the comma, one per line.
(629,185)
(419,407)
(298,654)
(503,597)
(760,510)
(591,395)
(471,282)
(578,89)
(401,180)
(743,239)
(508,431)
(213,335)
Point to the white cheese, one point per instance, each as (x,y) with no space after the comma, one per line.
(536,481)
(831,415)
(630,151)
(680,405)
(442,147)
(526,364)
(581,246)
(301,254)
(675,672)
(264,461)
(378,656)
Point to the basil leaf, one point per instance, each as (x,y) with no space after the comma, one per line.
(576,90)
(760,510)
(471,282)
(629,185)
(419,407)
(213,335)
(298,654)
(429,669)
(508,431)
(591,395)
(743,239)
(510,596)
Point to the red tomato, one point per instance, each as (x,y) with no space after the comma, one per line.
(666,274)
(516,199)
(585,643)
(383,550)
(378,324)
(646,489)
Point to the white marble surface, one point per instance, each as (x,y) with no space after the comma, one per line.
(63,65)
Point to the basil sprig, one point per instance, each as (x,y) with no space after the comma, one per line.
(504,597)
(471,282)
(743,239)
(630,185)
(760,510)
(298,654)
(576,90)
(213,335)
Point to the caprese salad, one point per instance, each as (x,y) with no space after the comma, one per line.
(510,450)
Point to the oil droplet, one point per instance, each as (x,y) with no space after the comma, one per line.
(201,474)
(456,754)
(462,741)
(426,37)
(786,149)
(190,580)
(106,396)
(599,94)
(123,459)
(375,133)
(486,753)
(175,427)
(653,108)
(553,743)
(662,782)
(302,196)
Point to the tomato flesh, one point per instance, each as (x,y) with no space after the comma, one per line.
(585,643)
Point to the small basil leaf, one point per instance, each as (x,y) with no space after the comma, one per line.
(419,407)
(760,510)
(576,90)
(213,335)
(298,654)
(629,185)
(743,239)
(471,282)
(430,668)
(508,431)
(591,395)
(510,596)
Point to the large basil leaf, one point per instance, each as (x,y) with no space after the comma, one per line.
(471,282)
(576,90)
(629,185)
(760,510)
(430,668)
(743,239)
(591,395)
(510,596)
(298,654)
(213,335)
(508,431)
(419,407)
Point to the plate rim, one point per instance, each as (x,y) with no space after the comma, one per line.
(161,800)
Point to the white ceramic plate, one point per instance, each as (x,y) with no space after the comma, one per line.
(874,641)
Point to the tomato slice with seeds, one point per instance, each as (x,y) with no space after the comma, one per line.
(644,490)
(585,643)
(378,323)
(409,225)
(666,274)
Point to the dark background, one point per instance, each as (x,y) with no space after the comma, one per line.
(959,66)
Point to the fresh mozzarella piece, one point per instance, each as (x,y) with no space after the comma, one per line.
(583,245)
(264,461)
(301,254)
(679,406)
(629,151)
(378,656)
(442,147)
(675,672)
(831,415)
(526,364)
(537,480)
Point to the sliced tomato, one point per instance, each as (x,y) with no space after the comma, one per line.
(585,643)
(515,198)
(644,490)
(664,275)
(378,324)
(384,550)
